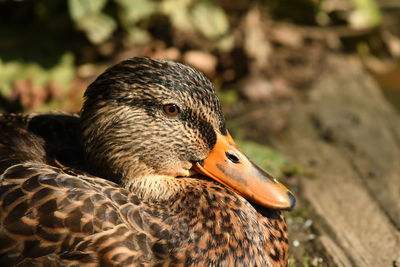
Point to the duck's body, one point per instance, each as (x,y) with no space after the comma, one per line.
(54,211)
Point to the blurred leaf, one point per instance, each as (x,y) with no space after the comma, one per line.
(14,71)
(177,10)
(366,15)
(63,73)
(138,36)
(209,19)
(8,73)
(134,10)
(131,12)
(98,27)
(226,43)
(88,17)
(79,9)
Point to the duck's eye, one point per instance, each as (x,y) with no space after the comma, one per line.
(171,109)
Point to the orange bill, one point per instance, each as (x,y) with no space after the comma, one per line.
(231,167)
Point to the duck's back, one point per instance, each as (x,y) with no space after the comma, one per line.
(52,214)
(44,138)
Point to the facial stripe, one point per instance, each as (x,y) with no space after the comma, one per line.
(203,126)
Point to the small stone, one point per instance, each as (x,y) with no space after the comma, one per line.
(307,224)
(316,261)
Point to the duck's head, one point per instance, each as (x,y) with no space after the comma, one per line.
(153,120)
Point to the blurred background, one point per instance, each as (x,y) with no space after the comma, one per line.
(263,57)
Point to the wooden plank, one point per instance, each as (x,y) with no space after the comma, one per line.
(349,138)
(338,258)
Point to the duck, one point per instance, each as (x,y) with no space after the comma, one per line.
(146,174)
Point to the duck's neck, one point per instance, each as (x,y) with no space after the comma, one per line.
(154,188)
(215,226)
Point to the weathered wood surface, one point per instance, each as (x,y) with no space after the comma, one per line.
(347,136)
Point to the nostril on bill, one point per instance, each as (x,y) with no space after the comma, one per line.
(232,157)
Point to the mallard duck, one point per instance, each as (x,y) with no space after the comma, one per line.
(146,175)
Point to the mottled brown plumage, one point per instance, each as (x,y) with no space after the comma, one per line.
(115,185)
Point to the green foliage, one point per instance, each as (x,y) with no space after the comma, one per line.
(131,12)
(270,160)
(62,73)
(178,12)
(367,14)
(42,40)
(204,16)
(88,17)
(209,19)
(37,76)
